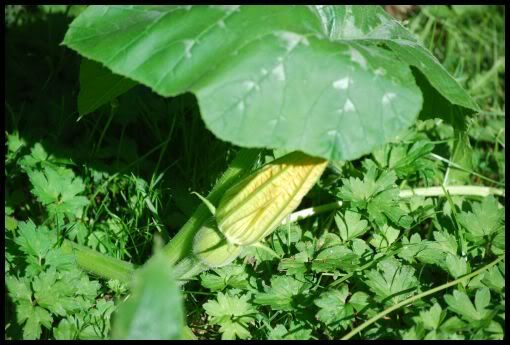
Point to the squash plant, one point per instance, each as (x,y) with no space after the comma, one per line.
(330,82)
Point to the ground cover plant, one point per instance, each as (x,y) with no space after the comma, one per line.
(155,155)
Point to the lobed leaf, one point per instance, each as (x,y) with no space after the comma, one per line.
(289,77)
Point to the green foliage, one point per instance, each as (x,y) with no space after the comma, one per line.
(251,97)
(229,276)
(334,311)
(52,288)
(335,257)
(485,220)
(377,194)
(391,282)
(460,303)
(57,189)
(232,313)
(294,332)
(282,294)
(123,174)
(350,225)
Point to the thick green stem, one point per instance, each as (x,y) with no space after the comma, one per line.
(99,264)
(188,268)
(180,245)
(108,267)
(419,296)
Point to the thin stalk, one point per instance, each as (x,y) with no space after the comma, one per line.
(180,245)
(455,165)
(405,193)
(417,297)
(452,190)
(308,212)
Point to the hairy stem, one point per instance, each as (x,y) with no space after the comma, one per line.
(417,297)
(99,264)
(188,268)
(180,245)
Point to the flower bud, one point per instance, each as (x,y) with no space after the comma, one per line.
(251,209)
(211,247)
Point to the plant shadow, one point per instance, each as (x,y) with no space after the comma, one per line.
(140,134)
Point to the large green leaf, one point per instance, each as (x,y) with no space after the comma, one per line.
(442,95)
(98,85)
(155,309)
(271,76)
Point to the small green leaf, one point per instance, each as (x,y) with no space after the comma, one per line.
(384,237)
(58,189)
(295,265)
(19,289)
(447,242)
(460,303)
(14,142)
(36,316)
(233,314)
(350,225)
(486,219)
(412,160)
(359,300)
(432,318)
(482,299)
(453,324)
(10,223)
(65,330)
(36,241)
(334,311)
(38,155)
(282,294)
(411,247)
(494,278)
(296,331)
(333,258)
(456,266)
(232,275)
(359,192)
(361,248)
(392,282)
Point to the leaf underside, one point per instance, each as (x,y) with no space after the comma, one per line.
(331,81)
